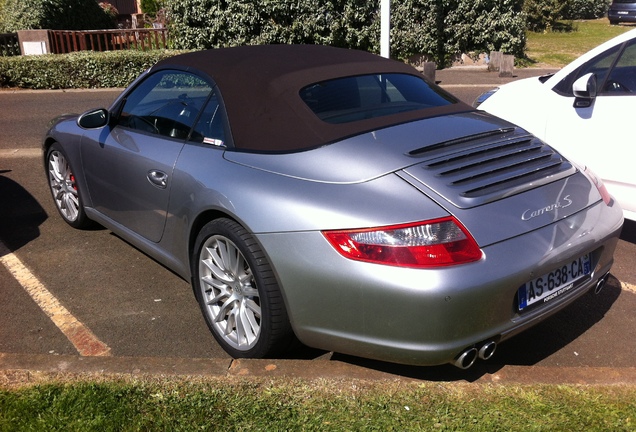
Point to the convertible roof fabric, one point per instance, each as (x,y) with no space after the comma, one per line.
(260,86)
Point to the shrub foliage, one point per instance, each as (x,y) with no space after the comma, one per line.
(586,9)
(437,29)
(82,69)
(53,14)
(543,15)
(150,6)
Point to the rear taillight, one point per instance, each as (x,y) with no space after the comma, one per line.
(607,198)
(435,243)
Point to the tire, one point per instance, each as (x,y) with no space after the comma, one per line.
(64,189)
(238,293)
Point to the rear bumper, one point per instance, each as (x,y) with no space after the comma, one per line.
(616,16)
(428,317)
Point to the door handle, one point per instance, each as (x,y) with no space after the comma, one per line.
(158,178)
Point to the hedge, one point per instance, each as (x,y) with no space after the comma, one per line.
(83,69)
(438,29)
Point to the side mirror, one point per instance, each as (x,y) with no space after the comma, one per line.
(585,90)
(94,119)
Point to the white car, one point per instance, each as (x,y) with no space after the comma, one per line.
(585,111)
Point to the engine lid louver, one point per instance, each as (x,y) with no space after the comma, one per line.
(486,167)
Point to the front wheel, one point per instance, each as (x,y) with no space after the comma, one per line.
(238,293)
(64,189)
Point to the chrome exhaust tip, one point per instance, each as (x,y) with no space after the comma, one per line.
(466,359)
(487,350)
(600,284)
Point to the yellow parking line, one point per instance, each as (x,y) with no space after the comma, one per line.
(628,287)
(20,153)
(86,343)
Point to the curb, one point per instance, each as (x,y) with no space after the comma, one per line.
(18,369)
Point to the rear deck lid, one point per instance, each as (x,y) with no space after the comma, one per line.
(501,183)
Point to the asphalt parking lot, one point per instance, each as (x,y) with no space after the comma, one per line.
(127,314)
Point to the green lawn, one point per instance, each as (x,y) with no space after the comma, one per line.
(242,404)
(556,49)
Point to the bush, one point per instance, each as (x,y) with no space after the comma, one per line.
(442,29)
(150,7)
(198,24)
(54,15)
(435,28)
(84,69)
(586,9)
(543,15)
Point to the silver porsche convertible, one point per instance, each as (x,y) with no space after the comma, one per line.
(338,198)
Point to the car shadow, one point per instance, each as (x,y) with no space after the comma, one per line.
(20,214)
(525,349)
(629,231)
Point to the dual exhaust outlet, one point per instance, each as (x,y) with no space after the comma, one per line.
(468,357)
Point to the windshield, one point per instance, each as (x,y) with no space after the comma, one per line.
(350,99)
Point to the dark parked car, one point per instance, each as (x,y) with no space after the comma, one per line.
(622,11)
(337,197)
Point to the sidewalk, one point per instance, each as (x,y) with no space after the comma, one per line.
(477,76)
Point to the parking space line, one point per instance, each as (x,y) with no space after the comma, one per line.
(84,341)
(628,287)
(20,153)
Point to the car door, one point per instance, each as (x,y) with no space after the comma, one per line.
(599,135)
(129,163)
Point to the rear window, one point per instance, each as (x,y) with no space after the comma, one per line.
(350,99)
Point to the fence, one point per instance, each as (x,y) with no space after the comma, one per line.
(65,41)
(9,45)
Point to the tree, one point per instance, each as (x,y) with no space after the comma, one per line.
(150,7)
(54,15)
(543,15)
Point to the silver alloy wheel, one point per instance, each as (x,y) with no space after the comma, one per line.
(229,292)
(62,182)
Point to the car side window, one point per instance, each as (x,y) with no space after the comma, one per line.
(210,128)
(599,65)
(622,78)
(166,103)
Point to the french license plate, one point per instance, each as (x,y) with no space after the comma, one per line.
(623,12)
(554,284)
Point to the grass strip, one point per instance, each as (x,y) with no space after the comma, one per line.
(180,404)
(558,48)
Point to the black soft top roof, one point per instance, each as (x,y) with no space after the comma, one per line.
(260,88)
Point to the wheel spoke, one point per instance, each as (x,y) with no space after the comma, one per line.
(226,310)
(253,307)
(251,325)
(249,291)
(213,285)
(242,329)
(215,266)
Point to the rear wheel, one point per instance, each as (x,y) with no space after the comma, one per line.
(64,189)
(238,293)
